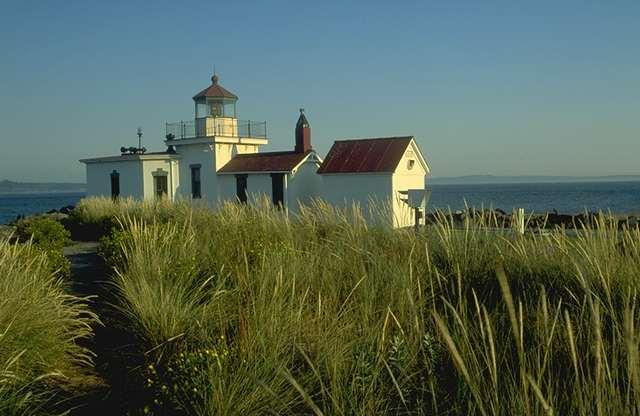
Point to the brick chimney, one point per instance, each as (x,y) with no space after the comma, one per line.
(303,134)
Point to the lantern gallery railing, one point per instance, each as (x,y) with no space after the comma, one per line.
(211,126)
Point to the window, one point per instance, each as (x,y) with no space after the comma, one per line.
(160,186)
(115,184)
(241,188)
(277,189)
(196,192)
(216,109)
(410,164)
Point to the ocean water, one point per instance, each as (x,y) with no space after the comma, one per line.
(566,198)
(12,205)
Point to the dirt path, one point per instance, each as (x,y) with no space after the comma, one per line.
(90,277)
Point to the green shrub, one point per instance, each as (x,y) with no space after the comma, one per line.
(43,231)
(57,262)
(50,237)
(112,247)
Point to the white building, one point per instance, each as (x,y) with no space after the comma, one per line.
(376,174)
(217,157)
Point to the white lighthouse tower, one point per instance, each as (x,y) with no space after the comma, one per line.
(211,139)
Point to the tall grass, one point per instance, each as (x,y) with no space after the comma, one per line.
(322,313)
(40,329)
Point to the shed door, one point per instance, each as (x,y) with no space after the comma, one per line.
(160,185)
(277,189)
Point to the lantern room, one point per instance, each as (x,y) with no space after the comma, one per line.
(215,101)
(215,110)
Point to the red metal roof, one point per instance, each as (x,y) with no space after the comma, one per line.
(215,90)
(264,162)
(365,155)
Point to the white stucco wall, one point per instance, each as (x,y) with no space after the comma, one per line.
(404,179)
(304,184)
(151,166)
(211,157)
(258,186)
(99,178)
(136,177)
(371,191)
(226,151)
(197,154)
(403,214)
(226,188)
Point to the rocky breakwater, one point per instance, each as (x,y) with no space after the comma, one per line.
(549,220)
(60,215)
(56,214)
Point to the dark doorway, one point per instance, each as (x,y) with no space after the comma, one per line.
(277,189)
(241,188)
(196,191)
(160,185)
(115,184)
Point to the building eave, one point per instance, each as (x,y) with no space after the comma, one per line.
(318,160)
(253,172)
(421,158)
(386,173)
(216,139)
(130,158)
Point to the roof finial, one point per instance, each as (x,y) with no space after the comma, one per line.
(214,78)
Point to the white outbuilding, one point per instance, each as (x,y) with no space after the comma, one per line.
(376,174)
(216,157)
(136,175)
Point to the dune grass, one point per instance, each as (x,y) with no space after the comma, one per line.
(40,329)
(247,310)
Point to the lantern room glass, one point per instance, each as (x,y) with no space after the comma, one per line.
(215,107)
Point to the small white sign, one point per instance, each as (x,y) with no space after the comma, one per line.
(418,198)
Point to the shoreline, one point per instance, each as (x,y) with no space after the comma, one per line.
(497,217)
(548,220)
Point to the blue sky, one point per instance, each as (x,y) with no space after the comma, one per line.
(542,88)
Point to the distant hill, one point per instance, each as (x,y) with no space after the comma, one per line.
(10,187)
(493,179)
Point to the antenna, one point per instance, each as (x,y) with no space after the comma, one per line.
(139,133)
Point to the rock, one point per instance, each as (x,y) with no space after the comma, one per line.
(582,219)
(632,222)
(67,209)
(54,215)
(536,220)
(430,218)
(560,220)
